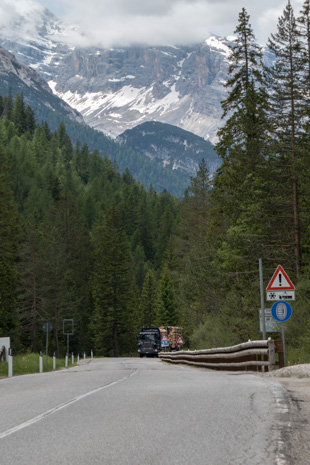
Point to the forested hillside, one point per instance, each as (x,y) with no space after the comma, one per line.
(80,240)
(77,240)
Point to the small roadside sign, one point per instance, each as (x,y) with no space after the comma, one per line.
(271,325)
(280,281)
(180,340)
(47,327)
(281,311)
(164,341)
(280,295)
(280,286)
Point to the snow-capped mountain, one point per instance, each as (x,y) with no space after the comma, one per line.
(117,89)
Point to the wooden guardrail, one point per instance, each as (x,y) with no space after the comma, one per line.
(2,354)
(251,355)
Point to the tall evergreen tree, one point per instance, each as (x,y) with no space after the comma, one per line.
(241,139)
(286,103)
(30,298)
(112,284)
(166,312)
(9,239)
(148,300)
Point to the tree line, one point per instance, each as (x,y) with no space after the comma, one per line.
(82,240)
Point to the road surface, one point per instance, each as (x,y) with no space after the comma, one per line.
(132,411)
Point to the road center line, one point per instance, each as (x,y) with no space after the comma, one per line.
(30,422)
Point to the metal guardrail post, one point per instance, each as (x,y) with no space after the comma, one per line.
(271,355)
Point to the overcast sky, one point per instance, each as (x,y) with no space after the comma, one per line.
(111,22)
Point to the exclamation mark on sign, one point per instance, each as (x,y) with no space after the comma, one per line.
(280,279)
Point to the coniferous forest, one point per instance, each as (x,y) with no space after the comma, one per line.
(81,240)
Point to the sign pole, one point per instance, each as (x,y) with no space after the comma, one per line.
(46,348)
(283,341)
(262,298)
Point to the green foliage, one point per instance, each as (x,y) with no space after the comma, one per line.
(28,363)
(81,223)
(9,237)
(80,238)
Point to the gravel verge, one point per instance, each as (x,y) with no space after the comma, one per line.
(296,380)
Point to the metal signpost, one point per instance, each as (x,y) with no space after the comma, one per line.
(281,289)
(282,311)
(68,330)
(262,305)
(47,328)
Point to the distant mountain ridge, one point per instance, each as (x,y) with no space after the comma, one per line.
(117,89)
(16,77)
(171,147)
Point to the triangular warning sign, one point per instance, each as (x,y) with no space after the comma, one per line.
(280,281)
(180,340)
(164,338)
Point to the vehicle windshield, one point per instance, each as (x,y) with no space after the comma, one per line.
(147,337)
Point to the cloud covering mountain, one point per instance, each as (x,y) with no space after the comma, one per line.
(162,22)
(153,22)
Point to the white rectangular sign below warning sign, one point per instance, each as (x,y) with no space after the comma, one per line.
(280,295)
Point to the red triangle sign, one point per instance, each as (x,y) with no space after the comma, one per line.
(280,281)
(180,340)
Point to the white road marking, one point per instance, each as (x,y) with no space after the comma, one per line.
(30,422)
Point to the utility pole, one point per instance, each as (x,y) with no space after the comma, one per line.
(262,303)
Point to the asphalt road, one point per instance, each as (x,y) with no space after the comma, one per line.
(142,411)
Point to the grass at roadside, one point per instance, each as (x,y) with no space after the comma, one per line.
(29,363)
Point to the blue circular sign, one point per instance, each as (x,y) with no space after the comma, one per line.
(281,311)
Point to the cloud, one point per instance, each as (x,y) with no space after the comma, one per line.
(12,16)
(155,22)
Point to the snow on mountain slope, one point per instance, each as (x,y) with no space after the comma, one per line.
(117,89)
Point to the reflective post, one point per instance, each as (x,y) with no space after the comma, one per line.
(10,363)
(41,362)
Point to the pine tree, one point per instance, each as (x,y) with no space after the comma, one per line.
(194,293)
(19,115)
(166,312)
(30,298)
(9,238)
(111,286)
(304,28)
(286,104)
(148,300)
(242,138)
